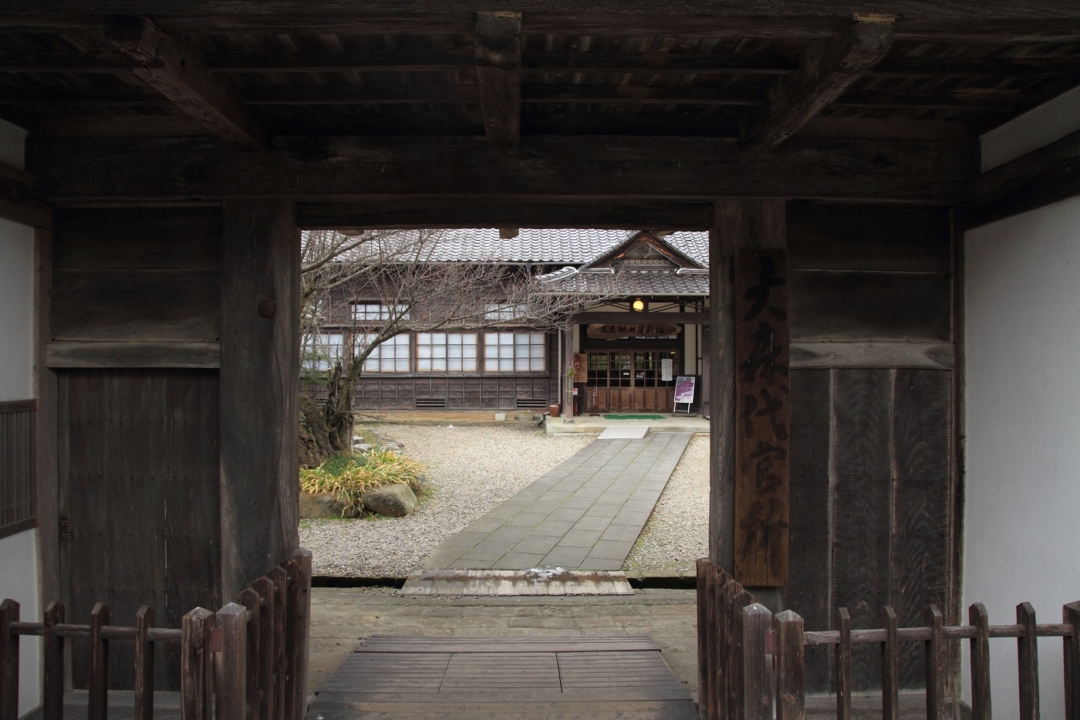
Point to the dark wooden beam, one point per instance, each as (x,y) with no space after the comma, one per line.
(1043,176)
(826,71)
(640,317)
(660,62)
(498,69)
(858,127)
(28,96)
(179,75)
(553,168)
(436,212)
(400,59)
(133,355)
(17,203)
(260,386)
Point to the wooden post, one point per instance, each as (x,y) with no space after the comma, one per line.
(52,700)
(843,665)
(1028,662)
(1070,614)
(302,612)
(195,665)
(935,663)
(45,430)
(566,382)
(267,647)
(99,664)
(259,376)
(144,664)
(723,240)
(230,663)
(292,659)
(890,667)
(706,632)
(734,684)
(9,661)
(280,580)
(251,602)
(981,708)
(790,667)
(757,691)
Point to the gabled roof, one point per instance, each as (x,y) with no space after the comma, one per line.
(652,245)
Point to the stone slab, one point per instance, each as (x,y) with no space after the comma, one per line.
(631,432)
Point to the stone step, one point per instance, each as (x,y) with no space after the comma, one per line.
(507,583)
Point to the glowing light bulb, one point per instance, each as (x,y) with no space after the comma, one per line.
(639,305)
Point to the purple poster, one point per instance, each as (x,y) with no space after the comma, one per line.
(684,389)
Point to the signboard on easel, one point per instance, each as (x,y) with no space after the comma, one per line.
(684,392)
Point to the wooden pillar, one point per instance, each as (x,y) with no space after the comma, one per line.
(260,371)
(45,431)
(748,391)
(566,382)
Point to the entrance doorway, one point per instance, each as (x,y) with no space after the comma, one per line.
(631,381)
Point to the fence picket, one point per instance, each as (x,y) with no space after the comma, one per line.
(736,682)
(195,665)
(99,664)
(281,581)
(981,707)
(1071,615)
(890,666)
(757,690)
(230,663)
(250,600)
(935,663)
(144,664)
(301,559)
(1028,662)
(267,646)
(790,667)
(52,701)
(843,665)
(9,661)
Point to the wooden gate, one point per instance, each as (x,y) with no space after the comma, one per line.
(139,471)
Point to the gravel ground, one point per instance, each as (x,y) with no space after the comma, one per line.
(474,468)
(677,534)
(471,469)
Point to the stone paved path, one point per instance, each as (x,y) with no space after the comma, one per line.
(585,514)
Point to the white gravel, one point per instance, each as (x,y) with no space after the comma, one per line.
(472,469)
(677,534)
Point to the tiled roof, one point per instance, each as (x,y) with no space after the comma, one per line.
(626,282)
(554,247)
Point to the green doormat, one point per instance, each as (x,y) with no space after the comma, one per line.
(634,417)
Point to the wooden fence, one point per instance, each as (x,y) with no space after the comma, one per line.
(17,485)
(247,661)
(765,675)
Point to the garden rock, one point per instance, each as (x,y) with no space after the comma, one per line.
(322,506)
(393,500)
(361,447)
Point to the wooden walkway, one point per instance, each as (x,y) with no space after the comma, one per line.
(592,678)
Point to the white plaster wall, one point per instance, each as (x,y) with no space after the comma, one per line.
(1022,479)
(17,317)
(19,581)
(1049,122)
(19,576)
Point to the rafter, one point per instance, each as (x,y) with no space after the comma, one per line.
(177,73)
(498,69)
(826,71)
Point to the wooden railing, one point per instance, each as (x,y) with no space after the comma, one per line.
(751,663)
(247,661)
(18,505)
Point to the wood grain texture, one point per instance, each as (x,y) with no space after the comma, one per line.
(133,355)
(763,418)
(721,363)
(937,356)
(826,71)
(849,306)
(548,167)
(498,42)
(46,448)
(139,488)
(919,574)
(981,701)
(259,390)
(862,479)
(807,592)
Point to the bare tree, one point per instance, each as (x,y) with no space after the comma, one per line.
(374,286)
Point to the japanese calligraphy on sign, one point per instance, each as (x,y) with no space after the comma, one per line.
(762,414)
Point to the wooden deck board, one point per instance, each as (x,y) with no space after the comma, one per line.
(593,678)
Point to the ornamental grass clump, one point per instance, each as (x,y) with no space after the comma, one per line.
(348,477)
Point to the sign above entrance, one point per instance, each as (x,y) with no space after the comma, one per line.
(611,331)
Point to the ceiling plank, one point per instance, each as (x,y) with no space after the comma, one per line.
(549,168)
(826,71)
(498,69)
(179,75)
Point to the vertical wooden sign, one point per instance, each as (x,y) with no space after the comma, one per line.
(762,417)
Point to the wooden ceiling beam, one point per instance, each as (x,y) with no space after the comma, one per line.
(177,73)
(548,168)
(825,72)
(497,42)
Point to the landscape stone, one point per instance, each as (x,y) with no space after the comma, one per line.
(361,447)
(392,500)
(322,506)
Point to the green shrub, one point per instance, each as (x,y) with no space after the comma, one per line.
(348,477)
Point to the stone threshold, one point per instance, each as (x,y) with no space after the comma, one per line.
(505,583)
